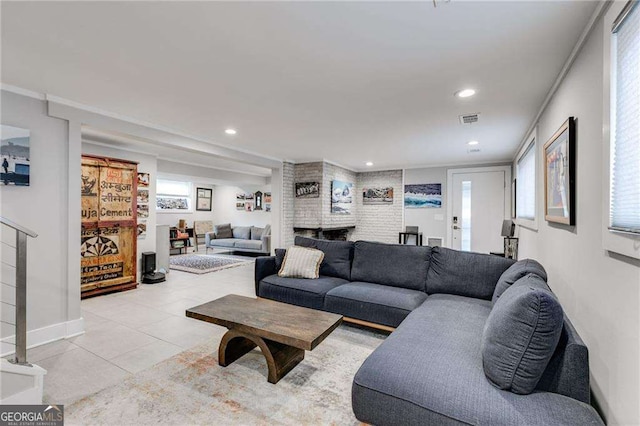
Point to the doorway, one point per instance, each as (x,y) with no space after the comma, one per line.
(480,199)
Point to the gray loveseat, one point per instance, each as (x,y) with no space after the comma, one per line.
(430,369)
(248,239)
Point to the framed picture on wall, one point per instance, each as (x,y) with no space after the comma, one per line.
(559,175)
(203,199)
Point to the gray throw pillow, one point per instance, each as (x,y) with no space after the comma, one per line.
(521,335)
(242,232)
(256,233)
(223,231)
(516,271)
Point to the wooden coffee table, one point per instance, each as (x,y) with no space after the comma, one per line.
(282,332)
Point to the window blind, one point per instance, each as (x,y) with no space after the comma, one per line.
(625,129)
(526,184)
(170,187)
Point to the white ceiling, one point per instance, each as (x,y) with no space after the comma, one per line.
(346,82)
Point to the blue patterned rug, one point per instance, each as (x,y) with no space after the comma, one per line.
(204,263)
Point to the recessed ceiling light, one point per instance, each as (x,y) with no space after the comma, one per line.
(465,93)
(369,163)
(473,143)
(231,131)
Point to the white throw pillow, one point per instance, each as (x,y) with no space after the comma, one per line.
(301,262)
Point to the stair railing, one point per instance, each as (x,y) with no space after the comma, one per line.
(20,290)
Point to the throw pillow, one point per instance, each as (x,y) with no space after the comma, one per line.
(256,233)
(223,231)
(301,262)
(242,232)
(521,335)
(516,271)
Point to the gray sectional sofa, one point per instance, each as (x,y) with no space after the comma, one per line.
(430,369)
(246,239)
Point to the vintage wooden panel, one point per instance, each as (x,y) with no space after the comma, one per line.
(108,241)
(89,191)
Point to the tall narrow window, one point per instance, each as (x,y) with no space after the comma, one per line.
(465,241)
(625,122)
(526,183)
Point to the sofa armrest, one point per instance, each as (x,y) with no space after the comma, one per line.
(265,266)
(208,237)
(266,243)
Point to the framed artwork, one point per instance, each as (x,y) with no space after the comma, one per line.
(203,199)
(143,196)
(15,153)
(423,196)
(143,180)
(559,175)
(258,200)
(341,197)
(307,189)
(377,195)
(143,211)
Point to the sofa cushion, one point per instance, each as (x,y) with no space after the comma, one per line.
(429,371)
(242,232)
(298,291)
(224,242)
(521,335)
(391,264)
(375,303)
(465,273)
(248,244)
(338,256)
(223,231)
(514,273)
(280,253)
(256,233)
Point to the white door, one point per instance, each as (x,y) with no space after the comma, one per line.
(480,201)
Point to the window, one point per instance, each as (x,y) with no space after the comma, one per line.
(624,154)
(173,196)
(526,183)
(621,151)
(465,243)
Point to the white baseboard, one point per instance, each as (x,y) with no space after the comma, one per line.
(41,336)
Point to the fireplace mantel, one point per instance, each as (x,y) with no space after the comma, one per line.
(326,233)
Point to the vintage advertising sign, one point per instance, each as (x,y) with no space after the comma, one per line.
(89,191)
(116,194)
(106,255)
(109,225)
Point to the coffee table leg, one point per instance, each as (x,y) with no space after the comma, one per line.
(280,358)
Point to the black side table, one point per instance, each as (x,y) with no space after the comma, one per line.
(402,237)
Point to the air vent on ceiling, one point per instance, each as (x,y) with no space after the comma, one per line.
(473,150)
(469,118)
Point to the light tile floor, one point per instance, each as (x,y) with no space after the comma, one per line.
(130,331)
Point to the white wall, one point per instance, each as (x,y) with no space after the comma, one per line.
(379,222)
(224,206)
(146,164)
(42,207)
(431,222)
(599,291)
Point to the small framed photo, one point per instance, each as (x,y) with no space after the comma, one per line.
(203,199)
(559,175)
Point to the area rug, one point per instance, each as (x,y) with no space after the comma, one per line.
(192,389)
(204,263)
